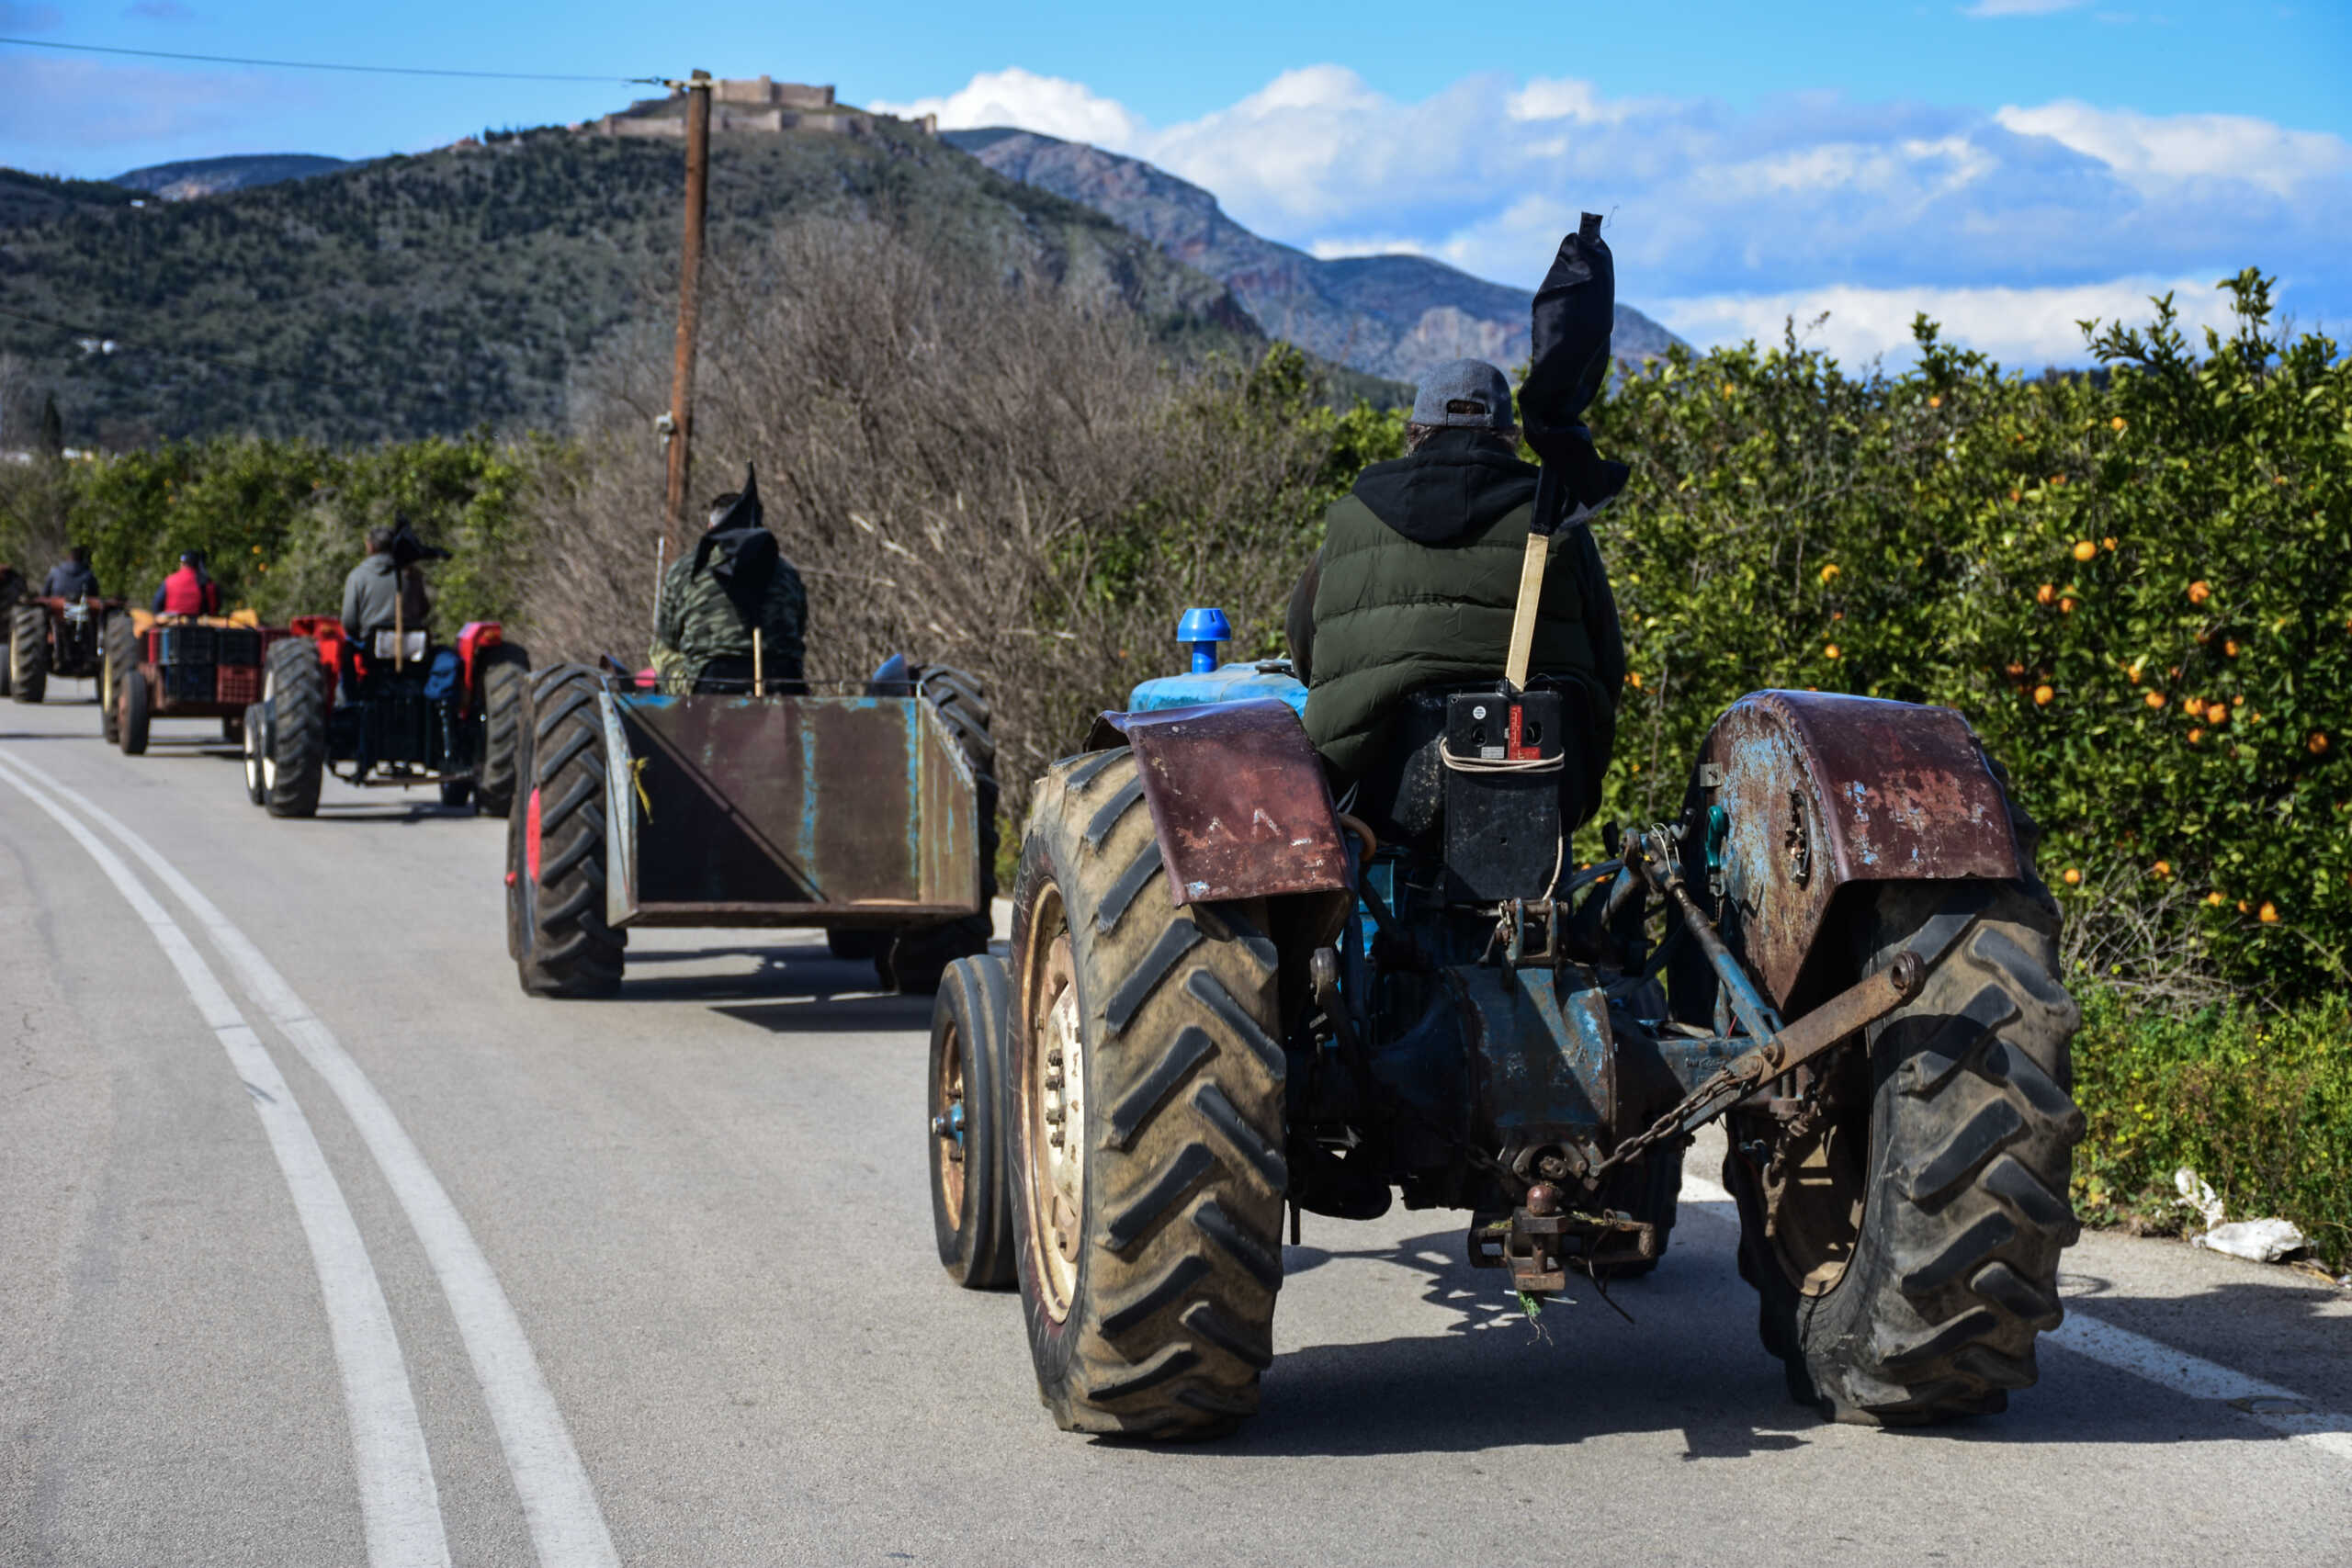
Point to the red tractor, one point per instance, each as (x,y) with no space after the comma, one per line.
(401,712)
(179,667)
(55,637)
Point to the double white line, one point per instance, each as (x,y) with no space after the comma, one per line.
(398,1504)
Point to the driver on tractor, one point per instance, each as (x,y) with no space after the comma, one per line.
(382,591)
(1418,575)
(72,578)
(190,591)
(734,609)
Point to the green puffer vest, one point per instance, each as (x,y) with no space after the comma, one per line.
(1418,578)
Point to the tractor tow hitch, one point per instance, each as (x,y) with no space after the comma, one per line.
(1538,1241)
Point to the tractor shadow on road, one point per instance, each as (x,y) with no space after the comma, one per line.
(1484,1377)
(792,990)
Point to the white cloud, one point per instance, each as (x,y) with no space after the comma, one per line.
(2023,328)
(2021,7)
(2153,151)
(2007,216)
(1051,105)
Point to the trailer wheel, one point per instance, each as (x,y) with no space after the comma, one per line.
(505,673)
(294,685)
(122,660)
(131,715)
(912,962)
(255,738)
(1147,1129)
(555,845)
(971,1208)
(28,652)
(1913,1259)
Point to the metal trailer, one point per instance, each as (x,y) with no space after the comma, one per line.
(870,816)
(201,668)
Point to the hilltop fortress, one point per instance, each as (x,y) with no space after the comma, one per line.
(757,103)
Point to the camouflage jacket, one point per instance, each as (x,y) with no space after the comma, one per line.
(696,622)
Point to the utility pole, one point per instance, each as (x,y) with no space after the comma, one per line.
(679,437)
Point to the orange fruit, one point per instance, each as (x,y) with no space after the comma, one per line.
(2215,900)
(2045,593)
(2042,696)
(2066,607)
(2217,716)
(2317,744)
(2242,907)
(2238,700)
(2195,736)
(2016,495)
(2161,868)
(2199,591)
(1633,679)
(1936,402)
(2058,480)
(2074,877)
(2016,669)
(2117,422)
(2269,913)
(2085,549)
(1829,650)
(2229,648)
(2155,699)
(1829,572)
(2107,544)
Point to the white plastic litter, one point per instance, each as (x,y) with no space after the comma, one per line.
(2259,1241)
(2197,1193)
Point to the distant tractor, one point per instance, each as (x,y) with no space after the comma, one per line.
(48,636)
(164,667)
(1225,994)
(404,712)
(867,811)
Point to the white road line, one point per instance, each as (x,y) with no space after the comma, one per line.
(2200,1379)
(2159,1363)
(567,1526)
(399,1509)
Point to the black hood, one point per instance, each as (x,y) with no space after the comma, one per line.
(1459,483)
(745,551)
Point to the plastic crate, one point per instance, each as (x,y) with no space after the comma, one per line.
(237,645)
(238,684)
(189,682)
(186,645)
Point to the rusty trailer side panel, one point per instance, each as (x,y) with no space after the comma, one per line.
(1821,790)
(1238,801)
(794,811)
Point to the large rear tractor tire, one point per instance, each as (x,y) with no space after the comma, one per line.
(914,960)
(555,884)
(131,715)
(971,1202)
(1147,1128)
(28,652)
(294,688)
(119,664)
(1917,1221)
(505,675)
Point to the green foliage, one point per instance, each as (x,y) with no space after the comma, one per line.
(2258,1104)
(2083,566)
(280,522)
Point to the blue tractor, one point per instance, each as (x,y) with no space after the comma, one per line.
(1228,992)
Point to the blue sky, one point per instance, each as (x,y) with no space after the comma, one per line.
(2007,164)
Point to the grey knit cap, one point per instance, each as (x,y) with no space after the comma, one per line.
(1465,392)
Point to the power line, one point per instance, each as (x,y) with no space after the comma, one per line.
(325,65)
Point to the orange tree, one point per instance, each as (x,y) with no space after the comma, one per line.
(2135,583)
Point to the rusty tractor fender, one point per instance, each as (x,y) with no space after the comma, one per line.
(1818,790)
(1237,799)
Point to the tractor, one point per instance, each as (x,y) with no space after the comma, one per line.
(180,667)
(1227,993)
(401,712)
(866,809)
(50,635)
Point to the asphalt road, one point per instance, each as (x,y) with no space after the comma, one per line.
(321,1243)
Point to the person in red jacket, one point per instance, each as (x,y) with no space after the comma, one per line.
(188,591)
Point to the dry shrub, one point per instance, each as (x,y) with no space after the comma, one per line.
(974,469)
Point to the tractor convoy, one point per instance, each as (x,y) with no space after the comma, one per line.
(1231,996)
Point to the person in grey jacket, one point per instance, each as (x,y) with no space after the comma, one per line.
(374,587)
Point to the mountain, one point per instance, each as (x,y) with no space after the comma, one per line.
(417,294)
(212,176)
(1391,315)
